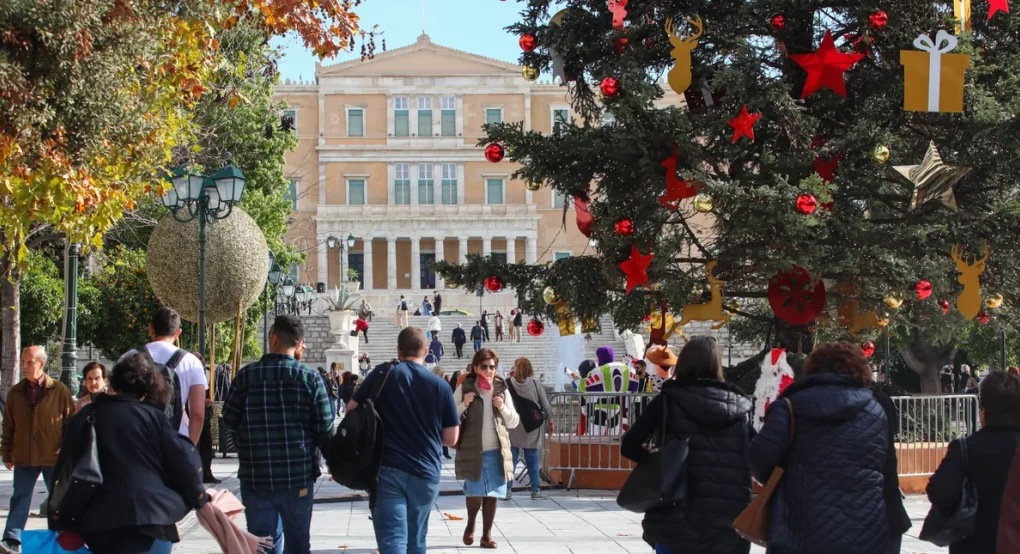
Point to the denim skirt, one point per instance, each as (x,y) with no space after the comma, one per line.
(492,482)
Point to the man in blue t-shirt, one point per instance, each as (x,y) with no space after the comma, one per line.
(419,418)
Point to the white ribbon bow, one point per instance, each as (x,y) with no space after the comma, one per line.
(935,50)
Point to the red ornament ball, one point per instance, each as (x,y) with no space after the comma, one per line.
(649,42)
(878,20)
(647,318)
(535,327)
(868,349)
(494,152)
(983,318)
(625,227)
(807,204)
(570,72)
(528,42)
(493,283)
(923,289)
(620,44)
(944,304)
(610,87)
(778,22)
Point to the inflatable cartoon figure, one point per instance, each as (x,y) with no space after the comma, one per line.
(604,414)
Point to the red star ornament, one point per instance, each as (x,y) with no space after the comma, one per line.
(743,124)
(997,6)
(636,268)
(825,67)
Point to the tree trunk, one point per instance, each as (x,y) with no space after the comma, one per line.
(927,361)
(10,303)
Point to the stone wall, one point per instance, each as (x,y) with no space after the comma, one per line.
(317,339)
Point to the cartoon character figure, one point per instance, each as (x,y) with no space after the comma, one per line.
(776,375)
(619,10)
(676,189)
(604,414)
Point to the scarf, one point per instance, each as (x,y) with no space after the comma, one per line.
(217,518)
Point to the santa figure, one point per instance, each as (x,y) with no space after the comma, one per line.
(776,375)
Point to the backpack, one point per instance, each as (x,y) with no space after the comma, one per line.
(354,453)
(532,415)
(403,305)
(175,407)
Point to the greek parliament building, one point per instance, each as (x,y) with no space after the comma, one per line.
(388,156)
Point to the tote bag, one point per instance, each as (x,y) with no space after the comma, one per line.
(76,480)
(660,479)
(753,523)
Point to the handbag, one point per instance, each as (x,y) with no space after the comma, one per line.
(660,478)
(753,523)
(945,529)
(532,415)
(76,479)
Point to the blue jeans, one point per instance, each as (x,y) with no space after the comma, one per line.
(478,344)
(286,516)
(401,514)
(161,547)
(531,461)
(21,500)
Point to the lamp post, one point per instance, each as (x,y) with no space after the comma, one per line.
(69,351)
(274,278)
(208,199)
(333,242)
(288,293)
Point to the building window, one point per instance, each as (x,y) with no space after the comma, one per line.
(608,119)
(561,256)
(494,191)
(426,188)
(558,199)
(560,120)
(290,119)
(401,125)
(355,192)
(355,122)
(493,115)
(402,184)
(291,194)
(448,117)
(424,116)
(449,184)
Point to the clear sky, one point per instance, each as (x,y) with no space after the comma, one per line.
(475,26)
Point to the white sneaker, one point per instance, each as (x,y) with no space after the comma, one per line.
(538,496)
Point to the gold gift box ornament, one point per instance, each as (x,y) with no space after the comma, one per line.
(933,78)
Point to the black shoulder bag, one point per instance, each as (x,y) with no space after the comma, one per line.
(945,529)
(660,478)
(76,479)
(531,413)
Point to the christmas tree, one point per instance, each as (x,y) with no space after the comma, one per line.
(837,145)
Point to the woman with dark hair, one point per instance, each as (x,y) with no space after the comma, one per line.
(832,495)
(990,453)
(715,418)
(93,382)
(152,476)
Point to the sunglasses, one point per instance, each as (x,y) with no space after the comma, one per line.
(486,367)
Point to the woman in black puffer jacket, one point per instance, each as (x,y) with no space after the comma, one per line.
(715,417)
(831,498)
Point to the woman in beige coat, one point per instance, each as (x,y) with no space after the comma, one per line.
(525,385)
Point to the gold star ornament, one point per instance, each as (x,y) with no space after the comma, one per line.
(933,179)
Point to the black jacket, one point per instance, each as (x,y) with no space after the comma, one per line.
(832,496)
(458,336)
(477,333)
(152,476)
(518,320)
(899,520)
(715,417)
(990,454)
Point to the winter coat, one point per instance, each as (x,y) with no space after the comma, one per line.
(477,333)
(831,498)
(715,417)
(1009,520)
(437,348)
(899,519)
(31,436)
(534,391)
(458,336)
(468,464)
(990,453)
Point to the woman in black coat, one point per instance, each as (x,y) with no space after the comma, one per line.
(832,496)
(990,453)
(715,417)
(152,476)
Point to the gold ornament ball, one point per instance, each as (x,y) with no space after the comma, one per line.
(880,154)
(732,305)
(994,302)
(550,296)
(530,73)
(882,322)
(532,185)
(703,203)
(893,300)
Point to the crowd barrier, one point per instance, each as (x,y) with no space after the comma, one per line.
(581,447)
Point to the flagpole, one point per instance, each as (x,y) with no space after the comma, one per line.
(423,17)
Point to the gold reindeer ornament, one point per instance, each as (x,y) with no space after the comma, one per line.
(680,76)
(712,311)
(849,316)
(969,301)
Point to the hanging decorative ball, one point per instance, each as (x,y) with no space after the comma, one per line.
(893,300)
(882,321)
(807,204)
(528,42)
(944,304)
(703,203)
(778,22)
(620,44)
(532,185)
(994,302)
(535,327)
(625,227)
(610,87)
(494,152)
(880,154)
(550,296)
(868,349)
(493,283)
(923,289)
(983,317)
(733,305)
(878,20)
(570,72)
(530,73)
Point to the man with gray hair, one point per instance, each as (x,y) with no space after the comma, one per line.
(33,427)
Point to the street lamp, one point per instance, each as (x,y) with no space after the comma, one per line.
(207,198)
(265,299)
(288,293)
(333,242)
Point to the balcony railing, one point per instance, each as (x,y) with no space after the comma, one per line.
(428,210)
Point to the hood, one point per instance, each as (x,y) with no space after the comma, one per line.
(585,368)
(709,403)
(827,397)
(605,355)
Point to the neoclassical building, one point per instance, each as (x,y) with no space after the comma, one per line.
(388,155)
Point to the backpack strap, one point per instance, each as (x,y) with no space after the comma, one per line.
(384,372)
(144,351)
(175,359)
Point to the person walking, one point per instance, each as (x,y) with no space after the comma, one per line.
(485,324)
(510,324)
(419,417)
(337,380)
(459,339)
(438,301)
(426,306)
(477,336)
(93,383)
(990,453)
(433,327)
(436,348)
(833,462)
(518,321)
(332,389)
(483,459)
(498,321)
(402,308)
(364,363)
(150,480)
(279,411)
(454,379)
(523,384)
(715,418)
(34,417)
(361,326)
(205,442)
(348,382)
(366,310)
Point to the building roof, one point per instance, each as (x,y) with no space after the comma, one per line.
(383,63)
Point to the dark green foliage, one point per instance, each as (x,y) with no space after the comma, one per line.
(42,299)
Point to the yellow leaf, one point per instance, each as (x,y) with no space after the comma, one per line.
(234,101)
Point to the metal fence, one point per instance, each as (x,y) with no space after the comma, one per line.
(927,424)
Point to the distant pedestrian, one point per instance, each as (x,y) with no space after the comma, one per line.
(93,383)
(364,363)
(438,303)
(436,348)
(525,444)
(499,320)
(459,339)
(366,310)
(433,327)
(426,306)
(402,309)
(512,330)
(332,389)
(361,326)
(34,417)
(477,335)
(279,411)
(485,324)
(337,379)
(419,418)
(518,321)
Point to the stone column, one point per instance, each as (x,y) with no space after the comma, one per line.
(531,250)
(323,255)
(440,257)
(511,250)
(415,263)
(486,246)
(366,251)
(462,250)
(391,263)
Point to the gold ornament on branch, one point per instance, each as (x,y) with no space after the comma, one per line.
(994,302)
(848,315)
(880,154)
(893,300)
(550,296)
(532,185)
(703,203)
(530,73)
